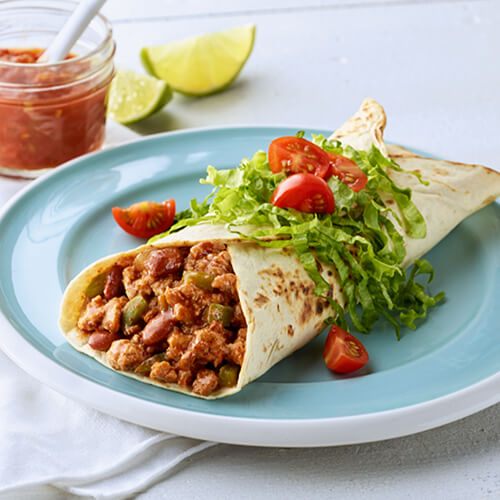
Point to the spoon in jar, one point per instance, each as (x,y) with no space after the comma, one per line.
(71,31)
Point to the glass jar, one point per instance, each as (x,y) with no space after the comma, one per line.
(50,113)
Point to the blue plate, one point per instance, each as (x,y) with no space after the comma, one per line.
(63,222)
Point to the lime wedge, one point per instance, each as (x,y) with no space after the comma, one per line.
(133,96)
(203,64)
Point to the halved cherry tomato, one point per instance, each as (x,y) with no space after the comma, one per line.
(295,155)
(347,171)
(146,218)
(343,353)
(304,192)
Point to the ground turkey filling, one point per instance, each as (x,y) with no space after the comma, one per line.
(171,314)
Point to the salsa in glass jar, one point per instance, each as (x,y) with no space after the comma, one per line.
(51,113)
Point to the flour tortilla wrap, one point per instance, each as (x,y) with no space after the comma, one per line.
(275,292)
(276,296)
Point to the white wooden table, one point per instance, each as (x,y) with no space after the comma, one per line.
(434,66)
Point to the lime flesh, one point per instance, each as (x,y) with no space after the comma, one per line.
(203,64)
(134,96)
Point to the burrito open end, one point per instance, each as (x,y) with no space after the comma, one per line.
(203,316)
(188,293)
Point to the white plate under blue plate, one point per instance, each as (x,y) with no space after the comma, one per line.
(446,369)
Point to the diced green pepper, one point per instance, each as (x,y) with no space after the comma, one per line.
(218,312)
(200,279)
(145,367)
(134,310)
(228,375)
(96,286)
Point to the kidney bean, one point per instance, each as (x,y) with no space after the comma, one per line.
(158,328)
(159,263)
(101,341)
(113,286)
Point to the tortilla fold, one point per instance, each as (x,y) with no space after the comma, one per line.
(454,190)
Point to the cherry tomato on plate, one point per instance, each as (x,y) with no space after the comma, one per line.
(146,218)
(304,192)
(295,155)
(343,353)
(347,171)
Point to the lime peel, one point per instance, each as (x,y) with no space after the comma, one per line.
(201,65)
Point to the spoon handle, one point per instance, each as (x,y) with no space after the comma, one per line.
(71,31)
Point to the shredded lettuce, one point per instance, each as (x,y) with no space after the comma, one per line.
(359,239)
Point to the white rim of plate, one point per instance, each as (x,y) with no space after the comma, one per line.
(318,432)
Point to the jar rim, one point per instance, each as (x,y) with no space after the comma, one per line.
(59,64)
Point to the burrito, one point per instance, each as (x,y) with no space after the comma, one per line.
(208,308)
